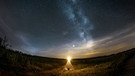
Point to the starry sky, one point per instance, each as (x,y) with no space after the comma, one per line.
(61,28)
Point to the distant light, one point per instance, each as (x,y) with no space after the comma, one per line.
(68,65)
(69,58)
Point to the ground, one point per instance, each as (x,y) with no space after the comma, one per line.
(130,67)
(14,63)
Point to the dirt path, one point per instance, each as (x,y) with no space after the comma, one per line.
(130,67)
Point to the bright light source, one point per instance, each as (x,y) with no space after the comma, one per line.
(68,65)
(68,58)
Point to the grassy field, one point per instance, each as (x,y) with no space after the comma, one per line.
(14,63)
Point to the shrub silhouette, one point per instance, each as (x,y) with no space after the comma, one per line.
(4,42)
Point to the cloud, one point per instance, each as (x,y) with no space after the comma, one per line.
(113,43)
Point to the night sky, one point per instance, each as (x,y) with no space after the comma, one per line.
(58,28)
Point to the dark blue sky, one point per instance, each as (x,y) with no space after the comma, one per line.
(57,28)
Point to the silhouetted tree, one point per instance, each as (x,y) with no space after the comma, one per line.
(4,42)
(1,41)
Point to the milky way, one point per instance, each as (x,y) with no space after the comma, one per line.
(76,14)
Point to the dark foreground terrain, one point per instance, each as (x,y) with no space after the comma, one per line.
(130,67)
(14,63)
